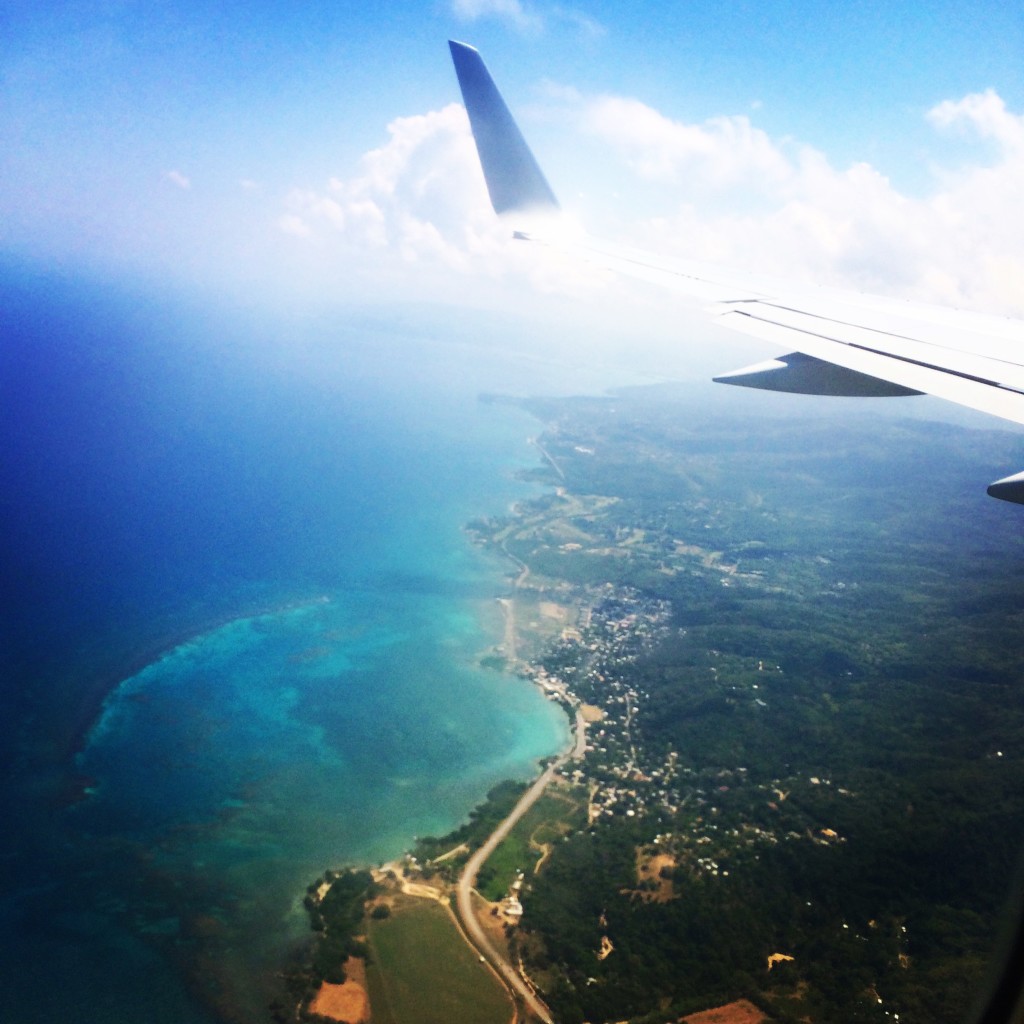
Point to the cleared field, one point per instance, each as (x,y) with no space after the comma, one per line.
(423,972)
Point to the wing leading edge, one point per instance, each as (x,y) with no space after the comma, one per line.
(514,179)
(840,343)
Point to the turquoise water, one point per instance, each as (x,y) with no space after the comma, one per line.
(260,753)
(274,511)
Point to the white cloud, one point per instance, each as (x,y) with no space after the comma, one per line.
(291,224)
(587,27)
(179,179)
(725,150)
(508,10)
(733,195)
(962,244)
(529,18)
(419,195)
(986,113)
(419,202)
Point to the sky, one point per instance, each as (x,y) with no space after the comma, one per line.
(319,153)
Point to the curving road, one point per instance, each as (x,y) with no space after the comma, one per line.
(467,881)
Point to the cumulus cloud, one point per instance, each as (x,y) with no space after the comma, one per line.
(419,195)
(733,195)
(985,113)
(960,244)
(419,202)
(725,150)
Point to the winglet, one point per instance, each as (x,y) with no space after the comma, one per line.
(514,179)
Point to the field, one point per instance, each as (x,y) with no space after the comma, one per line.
(423,972)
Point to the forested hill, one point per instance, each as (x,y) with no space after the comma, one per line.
(804,637)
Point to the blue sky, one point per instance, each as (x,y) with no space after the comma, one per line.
(317,149)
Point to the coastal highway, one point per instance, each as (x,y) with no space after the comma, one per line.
(467,880)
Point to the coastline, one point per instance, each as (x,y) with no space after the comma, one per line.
(196,723)
(393,878)
(459,898)
(161,576)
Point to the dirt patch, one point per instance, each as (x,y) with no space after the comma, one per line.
(545,852)
(591,713)
(651,867)
(392,876)
(553,611)
(348,1002)
(593,810)
(740,1012)
(651,887)
(456,851)
(424,892)
(494,925)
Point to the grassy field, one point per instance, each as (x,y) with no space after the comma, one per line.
(552,816)
(423,972)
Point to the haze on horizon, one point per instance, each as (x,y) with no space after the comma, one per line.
(321,156)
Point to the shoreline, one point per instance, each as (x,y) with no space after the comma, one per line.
(458,897)
(154,653)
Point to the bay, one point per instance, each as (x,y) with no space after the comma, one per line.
(242,629)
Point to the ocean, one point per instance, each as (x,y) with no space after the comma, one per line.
(241,627)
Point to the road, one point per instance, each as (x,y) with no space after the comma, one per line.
(467,880)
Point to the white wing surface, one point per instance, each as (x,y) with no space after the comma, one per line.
(838,343)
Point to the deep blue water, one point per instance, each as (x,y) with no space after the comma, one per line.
(241,627)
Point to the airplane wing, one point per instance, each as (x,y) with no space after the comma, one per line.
(839,343)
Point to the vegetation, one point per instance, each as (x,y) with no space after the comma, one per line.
(338,917)
(553,817)
(809,666)
(483,820)
(423,972)
(336,905)
(804,782)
